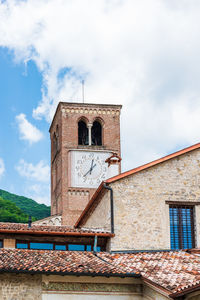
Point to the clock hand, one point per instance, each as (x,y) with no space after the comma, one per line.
(91,166)
(86,173)
(90,170)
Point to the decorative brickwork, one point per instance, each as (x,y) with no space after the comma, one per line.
(52,220)
(92,287)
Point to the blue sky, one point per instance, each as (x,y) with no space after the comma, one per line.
(20,87)
(143,54)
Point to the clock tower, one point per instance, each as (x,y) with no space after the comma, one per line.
(85,150)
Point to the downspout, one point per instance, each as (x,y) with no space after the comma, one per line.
(111,207)
(29,221)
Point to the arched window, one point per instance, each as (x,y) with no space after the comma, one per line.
(96,134)
(82,133)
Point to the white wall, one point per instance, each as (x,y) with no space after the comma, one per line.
(87,296)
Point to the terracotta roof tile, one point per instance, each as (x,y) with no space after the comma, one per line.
(173,270)
(45,229)
(65,262)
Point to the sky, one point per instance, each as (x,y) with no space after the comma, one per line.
(143,54)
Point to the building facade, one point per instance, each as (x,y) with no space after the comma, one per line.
(124,236)
(156,206)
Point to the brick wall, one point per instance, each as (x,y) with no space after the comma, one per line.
(66,119)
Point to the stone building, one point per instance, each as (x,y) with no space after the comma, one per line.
(156,204)
(111,235)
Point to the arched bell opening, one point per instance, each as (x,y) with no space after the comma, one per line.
(97,134)
(82,133)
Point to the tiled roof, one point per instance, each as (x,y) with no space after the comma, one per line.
(50,230)
(57,262)
(128,173)
(175,271)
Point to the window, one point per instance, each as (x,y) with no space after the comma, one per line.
(61,247)
(55,246)
(44,246)
(181,226)
(22,245)
(82,133)
(75,247)
(96,134)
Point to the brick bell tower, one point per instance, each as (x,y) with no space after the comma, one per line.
(85,150)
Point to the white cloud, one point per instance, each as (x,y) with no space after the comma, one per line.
(2,167)
(38,192)
(39,172)
(36,183)
(27,131)
(143,54)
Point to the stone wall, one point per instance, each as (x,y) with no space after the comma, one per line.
(151,293)
(20,287)
(42,287)
(91,288)
(141,214)
(193,296)
(51,287)
(100,217)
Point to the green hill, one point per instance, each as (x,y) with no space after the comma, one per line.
(9,212)
(26,205)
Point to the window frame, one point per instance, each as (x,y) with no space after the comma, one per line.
(27,242)
(178,233)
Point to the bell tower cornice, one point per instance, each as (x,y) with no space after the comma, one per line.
(87,108)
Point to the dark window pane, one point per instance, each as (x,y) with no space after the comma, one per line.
(44,246)
(88,248)
(60,247)
(96,134)
(82,133)
(22,246)
(1,244)
(73,247)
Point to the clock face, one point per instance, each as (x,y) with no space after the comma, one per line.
(88,168)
